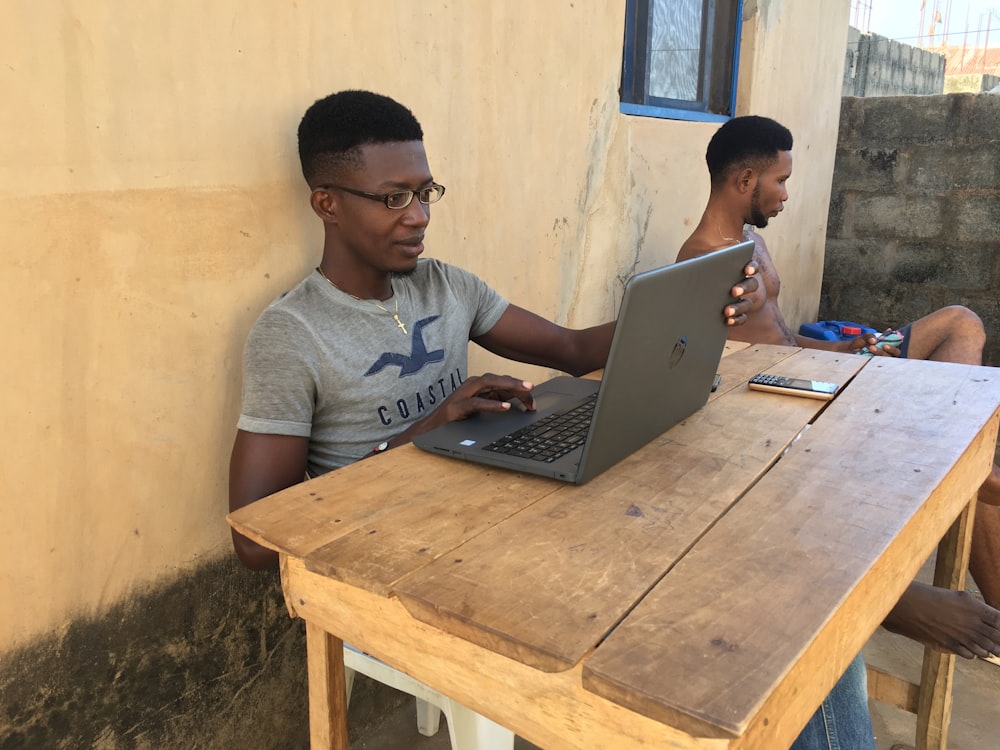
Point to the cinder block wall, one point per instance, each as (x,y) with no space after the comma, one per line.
(914,221)
(878,66)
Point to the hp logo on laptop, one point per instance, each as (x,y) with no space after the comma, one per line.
(679,348)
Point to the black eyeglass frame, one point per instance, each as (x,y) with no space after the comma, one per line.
(431,190)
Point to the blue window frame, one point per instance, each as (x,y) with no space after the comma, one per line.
(681,58)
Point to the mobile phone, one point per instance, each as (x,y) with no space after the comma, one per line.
(793,386)
(889,336)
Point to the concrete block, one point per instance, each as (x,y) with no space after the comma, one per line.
(862,262)
(977,218)
(947,166)
(908,217)
(947,267)
(977,119)
(867,169)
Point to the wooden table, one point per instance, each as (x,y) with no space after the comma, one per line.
(700,594)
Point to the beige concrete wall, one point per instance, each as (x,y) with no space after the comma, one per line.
(151,205)
(791,69)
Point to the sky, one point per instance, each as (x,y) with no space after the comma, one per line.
(901,20)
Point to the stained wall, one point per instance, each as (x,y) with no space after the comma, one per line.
(151,206)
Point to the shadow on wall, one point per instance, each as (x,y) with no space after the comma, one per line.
(210,660)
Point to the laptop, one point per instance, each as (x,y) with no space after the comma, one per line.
(664,354)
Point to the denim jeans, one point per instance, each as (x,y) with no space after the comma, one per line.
(842,722)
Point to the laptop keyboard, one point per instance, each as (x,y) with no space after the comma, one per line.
(550,438)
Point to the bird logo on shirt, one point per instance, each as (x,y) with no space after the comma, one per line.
(416,359)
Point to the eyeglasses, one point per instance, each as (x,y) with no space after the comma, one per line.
(430,194)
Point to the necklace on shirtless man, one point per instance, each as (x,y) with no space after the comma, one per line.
(730,239)
(394,314)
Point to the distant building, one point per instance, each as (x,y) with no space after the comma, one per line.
(969,69)
(963,60)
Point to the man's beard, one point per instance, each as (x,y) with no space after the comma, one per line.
(757,218)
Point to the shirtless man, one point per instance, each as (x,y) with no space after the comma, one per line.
(749,162)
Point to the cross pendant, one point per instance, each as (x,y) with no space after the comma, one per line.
(399,323)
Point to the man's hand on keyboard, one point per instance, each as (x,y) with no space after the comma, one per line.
(487,392)
(496,393)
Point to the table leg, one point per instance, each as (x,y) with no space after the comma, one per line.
(937,676)
(327,690)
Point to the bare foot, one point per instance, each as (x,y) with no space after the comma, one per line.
(989,493)
(951,621)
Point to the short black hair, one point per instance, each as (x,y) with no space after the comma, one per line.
(749,141)
(334,128)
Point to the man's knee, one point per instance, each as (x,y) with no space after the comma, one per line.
(951,334)
(964,319)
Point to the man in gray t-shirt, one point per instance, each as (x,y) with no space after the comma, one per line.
(327,366)
(370,349)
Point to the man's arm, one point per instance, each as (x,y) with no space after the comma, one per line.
(523,336)
(261,465)
(766,324)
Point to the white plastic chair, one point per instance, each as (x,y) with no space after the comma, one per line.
(467,729)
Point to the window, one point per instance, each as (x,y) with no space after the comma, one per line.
(681,58)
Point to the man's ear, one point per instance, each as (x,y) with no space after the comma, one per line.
(324,203)
(746,180)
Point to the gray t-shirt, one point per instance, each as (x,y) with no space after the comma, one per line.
(321,364)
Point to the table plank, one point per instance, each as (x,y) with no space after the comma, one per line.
(304,517)
(439,517)
(546,585)
(756,623)
(550,710)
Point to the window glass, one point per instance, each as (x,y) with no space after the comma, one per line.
(675,49)
(681,58)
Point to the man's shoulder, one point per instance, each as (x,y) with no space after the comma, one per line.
(429,268)
(293,298)
(291,308)
(699,243)
(434,276)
